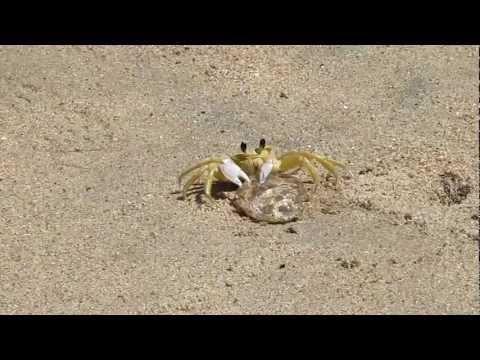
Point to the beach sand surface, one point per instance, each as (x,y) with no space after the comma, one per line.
(92,139)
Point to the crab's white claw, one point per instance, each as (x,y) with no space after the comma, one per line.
(233,172)
(265,170)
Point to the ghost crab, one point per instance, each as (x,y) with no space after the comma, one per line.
(263,161)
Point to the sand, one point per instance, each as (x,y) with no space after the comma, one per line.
(92,139)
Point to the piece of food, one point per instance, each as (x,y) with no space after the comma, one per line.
(280,199)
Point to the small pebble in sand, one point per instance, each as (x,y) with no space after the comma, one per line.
(291,230)
(454,189)
(366,170)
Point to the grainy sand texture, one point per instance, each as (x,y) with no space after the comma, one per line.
(92,139)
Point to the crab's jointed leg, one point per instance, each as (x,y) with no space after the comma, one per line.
(200,164)
(192,181)
(328,164)
(307,165)
(209,182)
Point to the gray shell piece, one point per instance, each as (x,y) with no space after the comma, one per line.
(279,200)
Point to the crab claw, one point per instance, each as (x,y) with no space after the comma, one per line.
(233,172)
(265,170)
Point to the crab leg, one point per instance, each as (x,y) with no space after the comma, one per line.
(208,184)
(328,164)
(192,181)
(203,163)
(308,167)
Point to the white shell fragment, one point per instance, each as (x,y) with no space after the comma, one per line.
(279,200)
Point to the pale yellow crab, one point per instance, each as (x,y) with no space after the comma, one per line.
(263,162)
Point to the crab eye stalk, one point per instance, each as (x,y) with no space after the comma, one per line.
(262,143)
(243,147)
